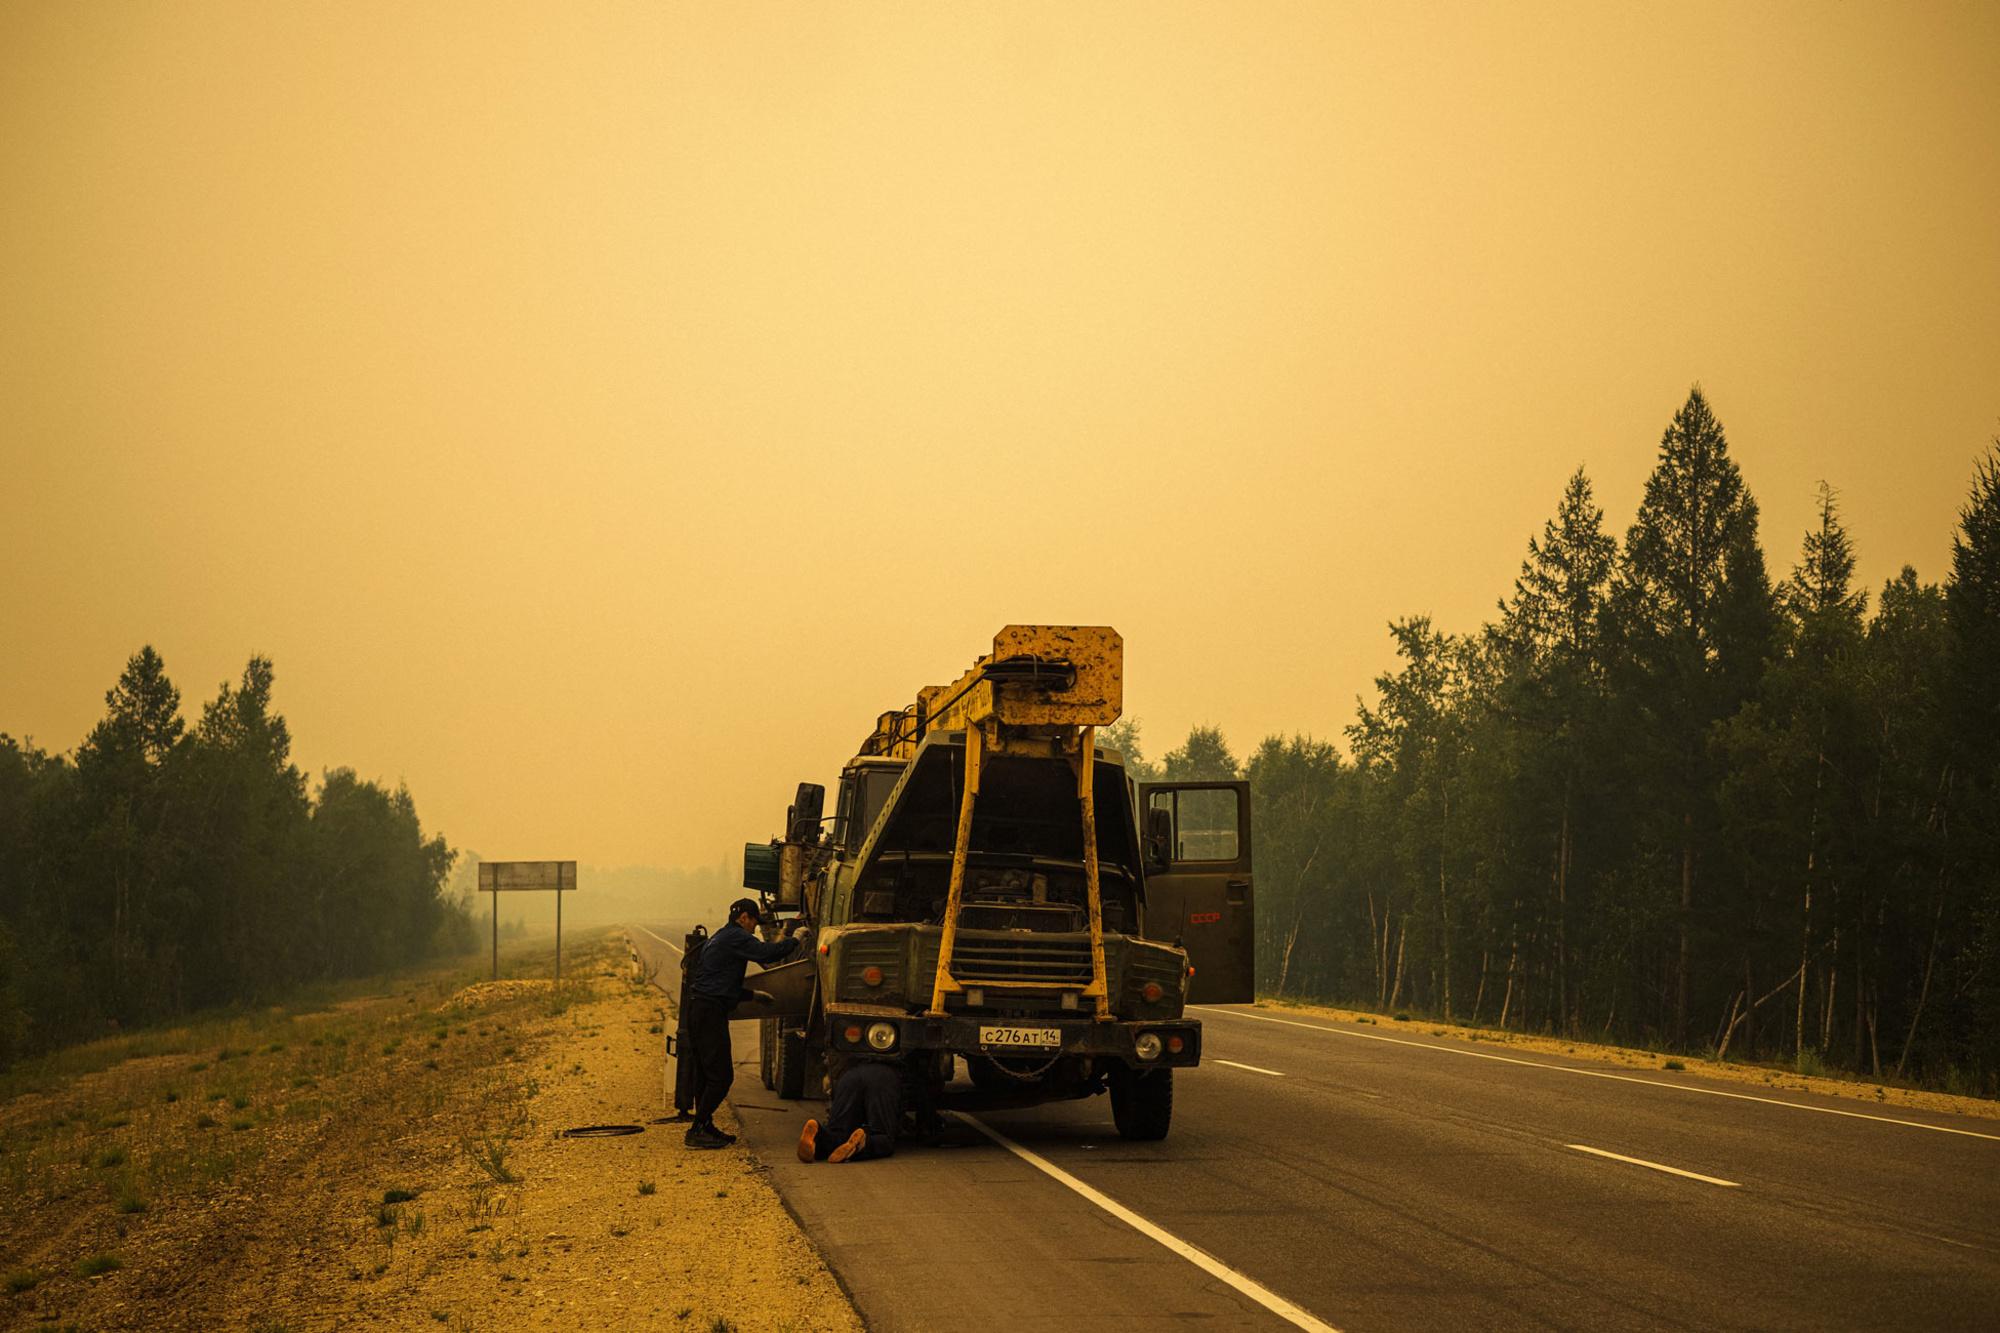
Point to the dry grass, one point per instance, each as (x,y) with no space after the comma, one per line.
(1769,1078)
(388,1156)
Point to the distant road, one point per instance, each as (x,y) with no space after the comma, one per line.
(1329,1175)
(659,939)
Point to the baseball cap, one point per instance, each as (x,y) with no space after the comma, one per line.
(742,905)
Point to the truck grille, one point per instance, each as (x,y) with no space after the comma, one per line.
(866,948)
(1062,963)
(1144,965)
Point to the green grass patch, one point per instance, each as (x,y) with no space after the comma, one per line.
(111,1157)
(1673,1064)
(398,1196)
(23,1279)
(647,1187)
(98,1264)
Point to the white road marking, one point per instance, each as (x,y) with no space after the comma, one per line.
(1252,1068)
(662,939)
(1640,1161)
(1201,1259)
(1598,1073)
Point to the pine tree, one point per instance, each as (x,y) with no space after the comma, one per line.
(1813,697)
(1972,603)
(1695,617)
(124,812)
(1902,868)
(1551,633)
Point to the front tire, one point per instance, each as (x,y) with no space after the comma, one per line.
(1142,1103)
(788,1063)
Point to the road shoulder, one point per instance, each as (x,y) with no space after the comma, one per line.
(1752,1077)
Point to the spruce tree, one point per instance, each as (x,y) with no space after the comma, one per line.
(1695,618)
(1972,602)
(1550,632)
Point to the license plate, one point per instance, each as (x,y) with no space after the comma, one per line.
(1047,1039)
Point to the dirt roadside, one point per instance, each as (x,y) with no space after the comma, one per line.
(397,1161)
(1764,1077)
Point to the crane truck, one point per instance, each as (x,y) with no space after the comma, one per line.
(993,891)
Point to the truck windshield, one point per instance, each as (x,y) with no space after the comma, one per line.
(871,794)
(1026,841)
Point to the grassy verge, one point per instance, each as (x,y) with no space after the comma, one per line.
(1812,1078)
(392,1156)
(163,1170)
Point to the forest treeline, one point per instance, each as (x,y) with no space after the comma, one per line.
(167,868)
(1666,797)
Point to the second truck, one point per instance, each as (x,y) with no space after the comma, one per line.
(992,891)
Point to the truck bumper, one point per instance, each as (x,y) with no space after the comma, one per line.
(1180,1038)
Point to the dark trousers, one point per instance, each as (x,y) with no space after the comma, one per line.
(708,1050)
(869,1095)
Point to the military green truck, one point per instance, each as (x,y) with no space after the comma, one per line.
(993,889)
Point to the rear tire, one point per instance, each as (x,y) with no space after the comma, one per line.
(788,1064)
(1142,1103)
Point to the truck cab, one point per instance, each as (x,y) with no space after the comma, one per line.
(1045,922)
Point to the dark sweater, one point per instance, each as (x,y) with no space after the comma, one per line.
(719,974)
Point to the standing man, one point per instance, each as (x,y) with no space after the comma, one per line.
(714,989)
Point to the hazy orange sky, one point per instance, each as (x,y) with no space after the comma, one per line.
(600,411)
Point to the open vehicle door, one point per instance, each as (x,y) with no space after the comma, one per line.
(1202,896)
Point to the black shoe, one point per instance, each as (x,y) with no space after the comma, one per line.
(719,1133)
(705,1138)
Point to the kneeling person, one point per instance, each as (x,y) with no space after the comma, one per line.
(863,1117)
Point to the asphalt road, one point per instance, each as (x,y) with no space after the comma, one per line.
(1373,1177)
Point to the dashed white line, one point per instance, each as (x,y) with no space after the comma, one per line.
(1597,1073)
(1200,1258)
(1656,1166)
(1252,1068)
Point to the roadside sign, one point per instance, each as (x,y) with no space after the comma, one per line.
(504,876)
(498,877)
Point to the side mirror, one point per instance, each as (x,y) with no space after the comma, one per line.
(802,820)
(1159,838)
(760,867)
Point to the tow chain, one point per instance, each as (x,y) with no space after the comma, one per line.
(1025,1077)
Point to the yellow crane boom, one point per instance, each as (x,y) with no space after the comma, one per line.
(1043,691)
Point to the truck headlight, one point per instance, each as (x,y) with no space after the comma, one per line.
(1147,1047)
(882,1036)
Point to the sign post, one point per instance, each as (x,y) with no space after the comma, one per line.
(498,877)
